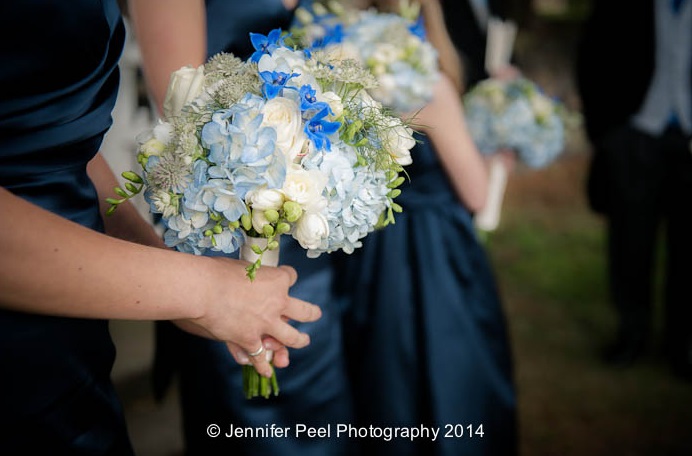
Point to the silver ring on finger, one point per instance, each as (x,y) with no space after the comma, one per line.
(257,352)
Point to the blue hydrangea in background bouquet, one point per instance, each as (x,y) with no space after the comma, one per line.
(285,143)
(515,114)
(393,46)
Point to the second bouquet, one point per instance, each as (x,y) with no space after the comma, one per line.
(287,142)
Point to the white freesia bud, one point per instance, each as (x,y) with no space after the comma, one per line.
(185,85)
(283,114)
(152,147)
(305,187)
(398,140)
(311,229)
(264,198)
(259,221)
(334,102)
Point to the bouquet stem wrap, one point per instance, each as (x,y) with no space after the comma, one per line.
(489,217)
(254,384)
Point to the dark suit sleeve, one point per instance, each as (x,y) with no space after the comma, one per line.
(614,65)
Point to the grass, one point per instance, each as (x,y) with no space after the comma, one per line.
(549,257)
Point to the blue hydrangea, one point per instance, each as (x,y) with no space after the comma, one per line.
(502,115)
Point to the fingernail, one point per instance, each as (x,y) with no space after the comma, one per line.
(242,357)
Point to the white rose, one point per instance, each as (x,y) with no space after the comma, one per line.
(305,187)
(367,101)
(284,116)
(386,53)
(398,140)
(153,142)
(185,85)
(264,198)
(290,62)
(311,229)
(386,88)
(334,102)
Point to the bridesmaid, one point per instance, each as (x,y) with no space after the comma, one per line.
(65,270)
(313,387)
(425,330)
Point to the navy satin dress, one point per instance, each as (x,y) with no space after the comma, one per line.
(425,331)
(313,388)
(59,82)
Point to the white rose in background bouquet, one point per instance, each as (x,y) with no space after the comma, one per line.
(287,142)
(393,46)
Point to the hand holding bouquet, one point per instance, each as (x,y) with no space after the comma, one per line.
(287,142)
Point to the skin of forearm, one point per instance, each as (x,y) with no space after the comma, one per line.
(444,123)
(50,265)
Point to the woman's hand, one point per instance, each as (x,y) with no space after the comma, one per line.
(247,315)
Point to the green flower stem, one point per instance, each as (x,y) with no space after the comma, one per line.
(256,385)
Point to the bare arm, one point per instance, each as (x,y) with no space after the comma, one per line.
(52,266)
(125,223)
(444,123)
(171,34)
(438,35)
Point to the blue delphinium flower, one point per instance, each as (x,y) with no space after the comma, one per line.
(418,28)
(274,82)
(308,100)
(265,44)
(333,34)
(318,129)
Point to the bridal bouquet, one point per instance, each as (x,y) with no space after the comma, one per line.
(515,115)
(287,142)
(392,45)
